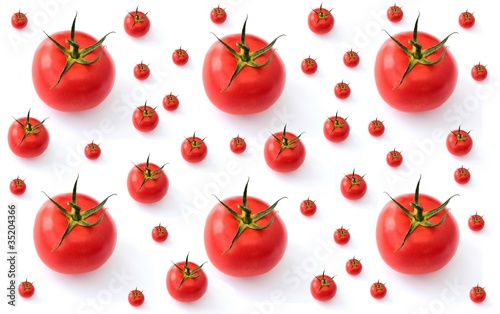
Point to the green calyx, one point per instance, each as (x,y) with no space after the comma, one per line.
(148,174)
(188,273)
(324,281)
(418,55)
(418,217)
(245,57)
(195,143)
(75,216)
(74,54)
(146,112)
(322,14)
(247,220)
(285,142)
(337,123)
(354,180)
(460,135)
(28,127)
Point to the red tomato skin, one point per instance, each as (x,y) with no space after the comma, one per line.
(83,87)
(253,90)
(84,249)
(153,190)
(427,249)
(145,123)
(290,159)
(19,20)
(318,25)
(17,186)
(334,133)
(425,87)
(194,154)
(218,15)
(192,289)
(255,252)
(138,29)
(353,191)
(33,145)
(460,147)
(324,293)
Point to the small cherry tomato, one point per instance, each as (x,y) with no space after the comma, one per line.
(353,186)
(26,289)
(394,158)
(477,294)
(479,72)
(378,290)
(376,127)
(194,149)
(353,266)
(237,145)
(336,129)
(351,59)
(284,151)
(459,142)
(180,56)
(476,222)
(309,65)
(466,19)
(92,151)
(218,15)
(394,13)
(308,207)
(159,233)
(320,21)
(135,297)
(323,287)
(17,186)
(145,118)
(170,102)
(137,23)
(462,175)
(342,90)
(141,71)
(186,281)
(341,236)
(28,137)
(19,20)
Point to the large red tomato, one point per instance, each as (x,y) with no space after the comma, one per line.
(244,236)
(72,71)
(243,74)
(416,233)
(74,233)
(415,71)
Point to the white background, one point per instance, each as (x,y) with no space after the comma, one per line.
(140,262)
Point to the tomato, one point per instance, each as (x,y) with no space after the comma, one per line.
(342,90)
(466,19)
(415,72)
(353,186)
(323,287)
(147,182)
(479,72)
(459,142)
(19,20)
(476,222)
(341,236)
(186,281)
(136,297)
(461,175)
(92,151)
(137,23)
(72,71)
(159,233)
(26,289)
(28,137)
(141,71)
(238,145)
(218,15)
(170,102)
(244,236)
(145,118)
(376,127)
(336,129)
(194,149)
(353,266)
(309,65)
(17,186)
(74,233)
(243,75)
(180,56)
(320,21)
(351,59)
(284,151)
(394,13)
(477,294)
(308,207)
(378,290)
(394,158)
(416,233)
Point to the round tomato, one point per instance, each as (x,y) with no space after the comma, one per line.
(284,151)
(137,23)
(243,74)
(378,290)
(477,294)
(170,102)
(145,118)
(376,128)
(353,186)
(462,175)
(26,289)
(19,20)
(308,207)
(351,59)
(466,19)
(186,281)
(136,297)
(320,21)
(74,233)
(341,236)
(476,222)
(28,137)
(17,186)
(459,142)
(416,233)
(394,13)
(147,182)
(309,65)
(415,72)
(238,145)
(336,129)
(342,90)
(218,15)
(141,71)
(323,287)
(92,151)
(479,72)
(194,149)
(72,71)
(159,233)
(394,158)
(244,236)
(180,56)
(353,266)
